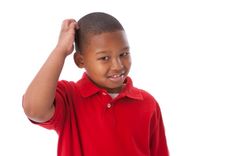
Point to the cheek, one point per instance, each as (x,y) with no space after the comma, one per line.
(96,68)
(127,62)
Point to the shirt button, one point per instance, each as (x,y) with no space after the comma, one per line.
(104,93)
(109,105)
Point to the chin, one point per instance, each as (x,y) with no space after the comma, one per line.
(114,89)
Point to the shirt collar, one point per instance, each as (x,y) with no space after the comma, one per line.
(88,88)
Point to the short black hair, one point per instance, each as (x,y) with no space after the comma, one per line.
(94,24)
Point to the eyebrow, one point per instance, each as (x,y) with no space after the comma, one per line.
(103,52)
(125,48)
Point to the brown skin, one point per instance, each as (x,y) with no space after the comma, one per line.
(39,96)
(106,60)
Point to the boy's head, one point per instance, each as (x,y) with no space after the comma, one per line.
(103,50)
(94,24)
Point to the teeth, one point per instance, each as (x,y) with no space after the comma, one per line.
(115,76)
(118,75)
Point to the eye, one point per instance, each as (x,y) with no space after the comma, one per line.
(124,54)
(104,58)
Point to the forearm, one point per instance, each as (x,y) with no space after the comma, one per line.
(39,97)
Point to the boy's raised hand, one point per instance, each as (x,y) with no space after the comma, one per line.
(66,38)
(38,98)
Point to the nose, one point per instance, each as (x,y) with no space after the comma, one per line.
(117,64)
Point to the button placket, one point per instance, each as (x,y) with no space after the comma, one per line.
(109,105)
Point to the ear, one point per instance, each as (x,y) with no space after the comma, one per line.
(78,59)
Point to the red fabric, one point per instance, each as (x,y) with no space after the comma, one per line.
(86,126)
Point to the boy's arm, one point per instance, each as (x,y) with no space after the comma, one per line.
(38,98)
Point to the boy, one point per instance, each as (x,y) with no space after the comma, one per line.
(102,114)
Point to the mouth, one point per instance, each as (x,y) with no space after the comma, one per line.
(117,77)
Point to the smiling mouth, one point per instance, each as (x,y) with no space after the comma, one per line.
(117,77)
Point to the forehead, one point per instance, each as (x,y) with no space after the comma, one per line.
(108,41)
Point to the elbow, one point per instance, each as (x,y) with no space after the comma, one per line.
(28,108)
(33,111)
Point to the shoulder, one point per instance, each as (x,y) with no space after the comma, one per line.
(66,86)
(148,98)
(140,93)
(66,83)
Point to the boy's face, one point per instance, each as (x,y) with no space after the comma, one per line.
(107,60)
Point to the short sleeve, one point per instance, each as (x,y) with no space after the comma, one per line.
(57,120)
(158,144)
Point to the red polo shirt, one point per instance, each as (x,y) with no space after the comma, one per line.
(90,123)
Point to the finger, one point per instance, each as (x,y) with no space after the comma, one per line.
(64,25)
(77,25)
(67,23)
(74,26)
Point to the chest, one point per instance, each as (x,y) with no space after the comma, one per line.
(104,125)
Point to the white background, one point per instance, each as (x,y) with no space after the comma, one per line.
(183,54)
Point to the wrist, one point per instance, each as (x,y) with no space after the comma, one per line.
(60,52)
